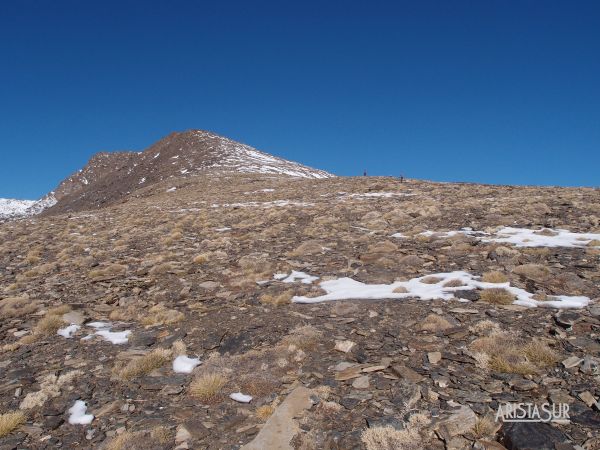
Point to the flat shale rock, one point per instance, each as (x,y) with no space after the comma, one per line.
(281,427)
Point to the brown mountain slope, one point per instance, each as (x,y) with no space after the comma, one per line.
(110,177)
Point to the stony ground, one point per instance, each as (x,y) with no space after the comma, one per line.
(188,266)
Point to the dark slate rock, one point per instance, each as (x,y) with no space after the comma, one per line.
(531,436)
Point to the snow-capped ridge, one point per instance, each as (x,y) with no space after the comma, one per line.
(15,209)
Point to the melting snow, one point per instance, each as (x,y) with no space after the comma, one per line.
(173,189)
(115,337)
(78,415)
(523,237)
(347,289)
(380,195)
(239,397)
(277,203)
(294,277)
(183,364)
(67,332)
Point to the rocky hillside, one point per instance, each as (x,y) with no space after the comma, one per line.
(262,311)
(111,176)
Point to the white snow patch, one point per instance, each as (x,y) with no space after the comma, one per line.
(220,230)
(380,195)
(294,277)
(347,289)
(114,337)
(523,237)
(275,203)
(78,415)
(172,189)
(241,398)
(183,364)
(67,332)
(446,234)
(12,209)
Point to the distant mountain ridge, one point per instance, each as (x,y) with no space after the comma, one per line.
(12,208)
(111,176)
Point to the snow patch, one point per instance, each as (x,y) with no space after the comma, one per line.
(114,337)
(294,277)
(78,415)
(67,332)
(183,364)
(347,289)
(523,237)
(241,398)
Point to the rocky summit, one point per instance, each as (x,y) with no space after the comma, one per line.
(204,295)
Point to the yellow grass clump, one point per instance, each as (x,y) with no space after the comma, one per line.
(17,307)
(160,315)
(389,438)
(10,421)
(497,296)
(158,437)
(206,387)
(282,298)
(431,280)
(494,277)
(145,364)
(434,323)
(506,353)
(455,282)
(264,412)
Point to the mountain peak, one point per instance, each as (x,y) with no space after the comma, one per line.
(110,176)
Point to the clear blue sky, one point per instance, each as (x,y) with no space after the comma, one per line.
(485,91)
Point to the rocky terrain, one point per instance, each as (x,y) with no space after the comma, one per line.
(222,310)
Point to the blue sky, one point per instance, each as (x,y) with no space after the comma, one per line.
(484,91)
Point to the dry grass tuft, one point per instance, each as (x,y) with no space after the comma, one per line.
(17,307)
(112,271)
(494,277)
(10,421)
(158,437)
(400,290)
(201,259)
(434,323)
(206,387)
(282,298)
(160,315)
(454,283)
(144,364)
(497,296)
(389,438)
(431,280)
(503,352)
(264,412)
(48,325)
(485,427)
(535,272)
